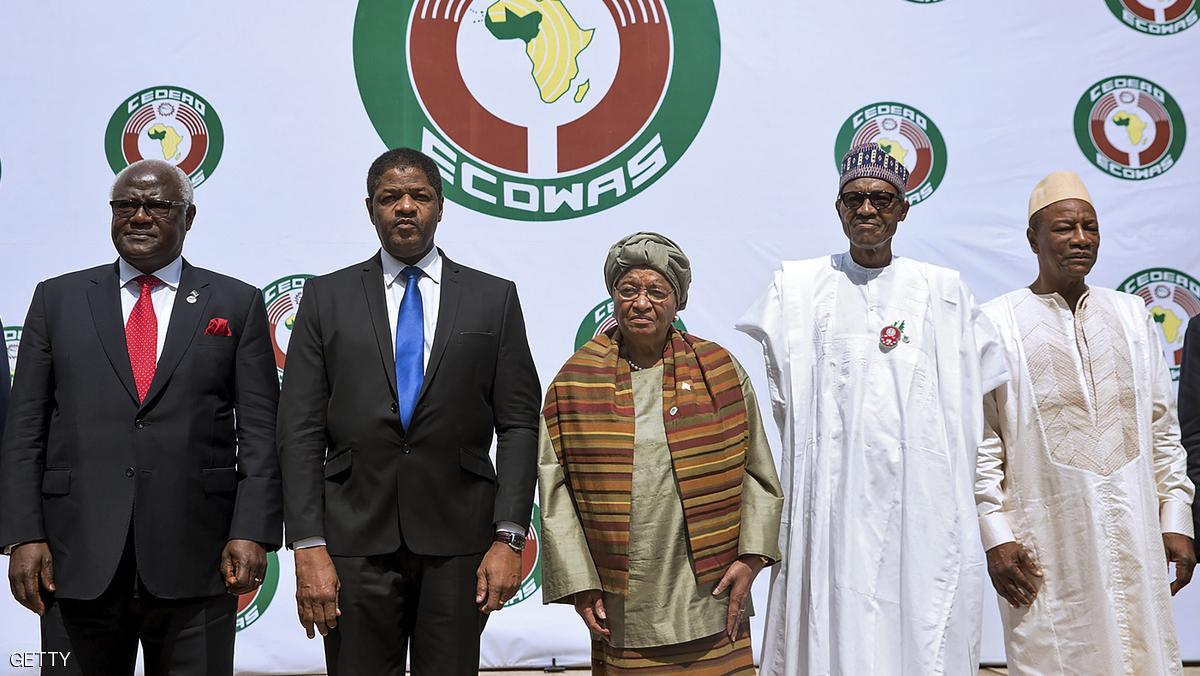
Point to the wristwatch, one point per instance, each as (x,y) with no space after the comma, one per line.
(517,542)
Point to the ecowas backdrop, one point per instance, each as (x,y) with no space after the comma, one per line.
(561,125)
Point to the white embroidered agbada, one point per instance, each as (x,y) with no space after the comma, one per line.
(1082,465)
(881,572)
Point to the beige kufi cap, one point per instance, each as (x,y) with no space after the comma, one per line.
(1058,186)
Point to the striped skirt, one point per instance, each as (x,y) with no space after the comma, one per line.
(709,656)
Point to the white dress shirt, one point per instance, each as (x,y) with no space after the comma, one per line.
(430,287)
(162,296)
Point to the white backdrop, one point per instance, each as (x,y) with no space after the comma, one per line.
(742,177)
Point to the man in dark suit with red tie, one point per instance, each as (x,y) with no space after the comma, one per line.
(399,371)
(139,486)
(1189,413)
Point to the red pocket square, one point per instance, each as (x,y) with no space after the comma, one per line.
(218,327)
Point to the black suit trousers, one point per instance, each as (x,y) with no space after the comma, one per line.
(179,637)
(390,602)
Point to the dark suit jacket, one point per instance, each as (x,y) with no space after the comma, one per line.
(192,467)
(4,387)
(1189,411)
(434,487)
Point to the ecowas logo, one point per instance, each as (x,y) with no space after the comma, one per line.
(906,134)
(251,606)
(1130,127)
(1173,297)
(12,341)
(282,297)
(602,318)
(531,561)
(539,110)
(1155,17)
(166,123)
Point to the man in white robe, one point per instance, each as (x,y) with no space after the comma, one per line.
(876,380)
(1082,487)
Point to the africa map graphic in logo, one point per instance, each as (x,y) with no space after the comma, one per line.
(539,109)
(166,123)
(1155,17)
(602,318)
(906,134)
(251,606)
(12,341)
(531,561)
(282,297)
(1130,127)
(1173,298)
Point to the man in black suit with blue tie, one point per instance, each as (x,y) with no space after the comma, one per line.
(1189,412)
(400,369)
(139,486)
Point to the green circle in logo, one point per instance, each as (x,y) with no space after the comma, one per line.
(166,123)
(251,606)
(282,298)
(539,110)
(1130,127)
(1155,18)
(602,318)
(904,132)
(1172,298)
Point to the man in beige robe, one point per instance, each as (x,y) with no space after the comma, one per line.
(1081,480)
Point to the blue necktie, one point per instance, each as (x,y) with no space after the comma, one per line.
(410,346)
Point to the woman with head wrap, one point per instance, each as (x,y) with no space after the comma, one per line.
(659,496)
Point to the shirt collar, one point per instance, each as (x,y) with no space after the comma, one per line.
(169,274)
(430,264)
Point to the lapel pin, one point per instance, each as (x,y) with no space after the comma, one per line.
(193,296)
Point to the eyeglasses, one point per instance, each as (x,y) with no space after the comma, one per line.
(653,294)
(156,208)
(880,199)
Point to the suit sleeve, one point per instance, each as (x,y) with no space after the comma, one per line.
(516,394)
(23,453)
(258,514)
(303,406)
(1189,409)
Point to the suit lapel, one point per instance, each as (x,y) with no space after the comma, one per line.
(447,311)
(104,298)
(372,282)
(182,328)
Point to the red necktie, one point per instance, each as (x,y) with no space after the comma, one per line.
(141,336)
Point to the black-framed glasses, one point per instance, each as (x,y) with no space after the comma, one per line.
(880,199)
(156,208)
(628,292)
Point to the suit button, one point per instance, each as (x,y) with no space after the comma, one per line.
(139,423)
(406,448)
(395,408)
(129,471)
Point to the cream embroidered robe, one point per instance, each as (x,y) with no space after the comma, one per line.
(1082,464)
(881,571)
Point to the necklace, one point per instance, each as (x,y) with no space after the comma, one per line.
(635,367)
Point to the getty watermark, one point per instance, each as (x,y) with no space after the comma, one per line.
(39,659)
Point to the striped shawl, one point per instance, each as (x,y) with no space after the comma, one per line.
(590,419)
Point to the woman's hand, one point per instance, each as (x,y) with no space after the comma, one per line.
(737,580)
(590,606)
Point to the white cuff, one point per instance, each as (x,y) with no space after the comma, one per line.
(511,527)
(305,543)
(1176,517)
(994,530)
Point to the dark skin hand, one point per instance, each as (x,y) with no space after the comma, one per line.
(871,230)
(317,588)
(243,563)
(738,579)
(497,578)
(1066,238)
(1014,573)
(590,606)
(1182,553)
(29,568)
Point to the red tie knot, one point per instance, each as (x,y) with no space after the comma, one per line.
(147,282)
